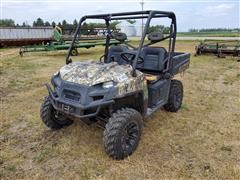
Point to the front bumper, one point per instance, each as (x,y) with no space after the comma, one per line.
(76,109)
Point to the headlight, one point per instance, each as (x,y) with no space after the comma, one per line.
(56,81)
(107,85)
(56,73)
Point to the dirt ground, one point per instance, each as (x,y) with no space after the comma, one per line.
(201,141)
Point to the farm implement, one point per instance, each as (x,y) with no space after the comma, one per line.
(219,48)
(60,44)
(55,46)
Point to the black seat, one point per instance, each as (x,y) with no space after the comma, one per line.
(153,58)
(114,54)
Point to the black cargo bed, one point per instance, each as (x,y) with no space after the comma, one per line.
(180,62)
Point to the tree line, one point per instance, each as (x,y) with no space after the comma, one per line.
(42,23)
(69,27)
(161,28)
(66,25)
(37,22)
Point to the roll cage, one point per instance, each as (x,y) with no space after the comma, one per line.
(132,15)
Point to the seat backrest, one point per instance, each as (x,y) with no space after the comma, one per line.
(114,53)
(153,58)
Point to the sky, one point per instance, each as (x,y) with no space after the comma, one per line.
(190,13)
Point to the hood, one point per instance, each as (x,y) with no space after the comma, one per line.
(90,72)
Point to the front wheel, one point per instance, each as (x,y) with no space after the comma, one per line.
(52,118)
(122,133)
(175,96)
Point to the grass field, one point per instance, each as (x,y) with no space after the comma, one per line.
(209,34)
(201,141)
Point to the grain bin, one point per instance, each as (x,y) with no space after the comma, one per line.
(126,28)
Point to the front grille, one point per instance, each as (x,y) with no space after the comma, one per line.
(67,108)
(71,95)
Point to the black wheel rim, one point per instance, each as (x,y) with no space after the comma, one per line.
(130,137)
(59,118)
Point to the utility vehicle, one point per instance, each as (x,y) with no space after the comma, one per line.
(125,86)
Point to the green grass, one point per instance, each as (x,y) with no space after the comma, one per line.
(209,34)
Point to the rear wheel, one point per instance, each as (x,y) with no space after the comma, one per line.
(122,133)
(52,118)
(175,96)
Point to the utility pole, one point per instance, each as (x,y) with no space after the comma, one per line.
(142,3)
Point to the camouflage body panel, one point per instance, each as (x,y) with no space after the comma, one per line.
(91,73)
(131,84)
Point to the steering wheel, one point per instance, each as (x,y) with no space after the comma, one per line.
(129,57)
